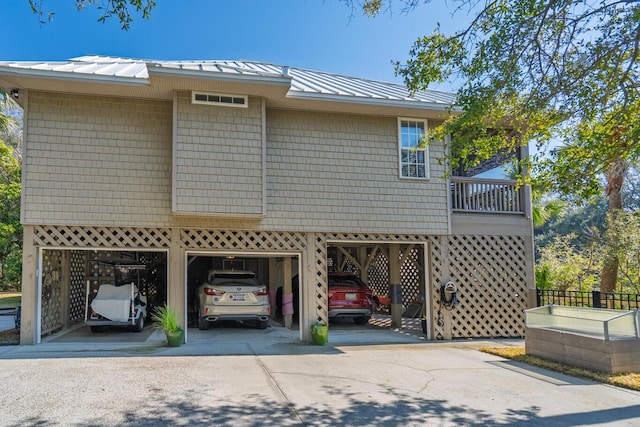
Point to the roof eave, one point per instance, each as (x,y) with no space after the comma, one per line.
(60,75)
(422,105)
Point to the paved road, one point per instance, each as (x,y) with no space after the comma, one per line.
(7,320)
(267,378)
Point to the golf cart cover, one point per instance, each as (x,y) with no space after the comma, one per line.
(114,302)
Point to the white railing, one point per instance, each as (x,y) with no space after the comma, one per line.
(486,195)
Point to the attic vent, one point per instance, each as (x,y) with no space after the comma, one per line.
(219,99)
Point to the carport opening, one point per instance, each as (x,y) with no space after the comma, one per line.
(71,279)
(282,299)
(371,262)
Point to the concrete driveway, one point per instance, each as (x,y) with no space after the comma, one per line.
(371,378)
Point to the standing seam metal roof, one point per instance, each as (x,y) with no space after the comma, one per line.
(303,82)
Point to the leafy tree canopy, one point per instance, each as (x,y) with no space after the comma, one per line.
(537,70)
(121,9)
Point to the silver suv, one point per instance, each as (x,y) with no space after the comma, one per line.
(232,295)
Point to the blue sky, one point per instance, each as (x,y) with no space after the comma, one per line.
(314,34)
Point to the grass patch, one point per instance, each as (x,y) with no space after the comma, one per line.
(10,299)
(630,381)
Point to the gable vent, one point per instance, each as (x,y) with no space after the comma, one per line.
(219,99)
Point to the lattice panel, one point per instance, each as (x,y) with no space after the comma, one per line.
(154,282)
(398,238)
(77,286)
(410,273)
(248,240)
(490,272)
(379,274)
(51,301)
(320,279)
(87,237)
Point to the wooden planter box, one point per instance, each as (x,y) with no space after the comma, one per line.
(555,333)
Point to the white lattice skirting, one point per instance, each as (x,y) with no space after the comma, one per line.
(490,271)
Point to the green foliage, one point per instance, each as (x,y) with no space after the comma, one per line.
(541,71)
(566,269)
(12,270)
(533,70)
(543,277)
(583,224)
(165,319)
(572,260)
(625,232)
(10,300)
(121,9)
(10,228)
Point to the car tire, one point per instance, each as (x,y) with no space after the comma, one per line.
(139,326)
(361,320)
(262,324)
(203,324)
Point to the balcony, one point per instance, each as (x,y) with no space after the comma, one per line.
(495,196)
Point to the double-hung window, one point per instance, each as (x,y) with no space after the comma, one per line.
(414,154)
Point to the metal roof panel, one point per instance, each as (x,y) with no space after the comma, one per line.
(304,82)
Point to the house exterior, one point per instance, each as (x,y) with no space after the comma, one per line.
(187,166)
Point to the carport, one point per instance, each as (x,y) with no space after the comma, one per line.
(276,270)
(70,278)
(395,272)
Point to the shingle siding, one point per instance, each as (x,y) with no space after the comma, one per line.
(93,160)
(108,162)
(340,173)
(218,158)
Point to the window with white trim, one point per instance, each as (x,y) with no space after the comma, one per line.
(414,154)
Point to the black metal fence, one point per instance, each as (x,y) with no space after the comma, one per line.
(595,299)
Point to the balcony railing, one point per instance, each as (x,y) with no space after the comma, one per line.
(486,195)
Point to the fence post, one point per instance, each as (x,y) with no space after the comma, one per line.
(538,292)
(596,302)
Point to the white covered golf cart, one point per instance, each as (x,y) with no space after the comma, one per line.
(120,303)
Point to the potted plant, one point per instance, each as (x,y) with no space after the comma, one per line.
(165,319)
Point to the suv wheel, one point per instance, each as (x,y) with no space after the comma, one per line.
(361,320)
(203,324)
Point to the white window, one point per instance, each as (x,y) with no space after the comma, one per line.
(414,153)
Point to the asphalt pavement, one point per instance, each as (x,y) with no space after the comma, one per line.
(7,319)
(229,377)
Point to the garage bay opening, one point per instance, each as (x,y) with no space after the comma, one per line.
(93,294)
(242,291)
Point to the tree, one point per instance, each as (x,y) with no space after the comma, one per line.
(539,70)
(10,228)
(122,9)
(10,188)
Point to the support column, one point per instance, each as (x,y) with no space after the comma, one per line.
(273,286)
(364,264)
(395,286)
(287,294)
(308,287)
(176,284)
(29,288)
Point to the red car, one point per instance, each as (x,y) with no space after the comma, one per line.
(349,297)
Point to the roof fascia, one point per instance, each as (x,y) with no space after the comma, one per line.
(372,101)
(239,78)
(64,75)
